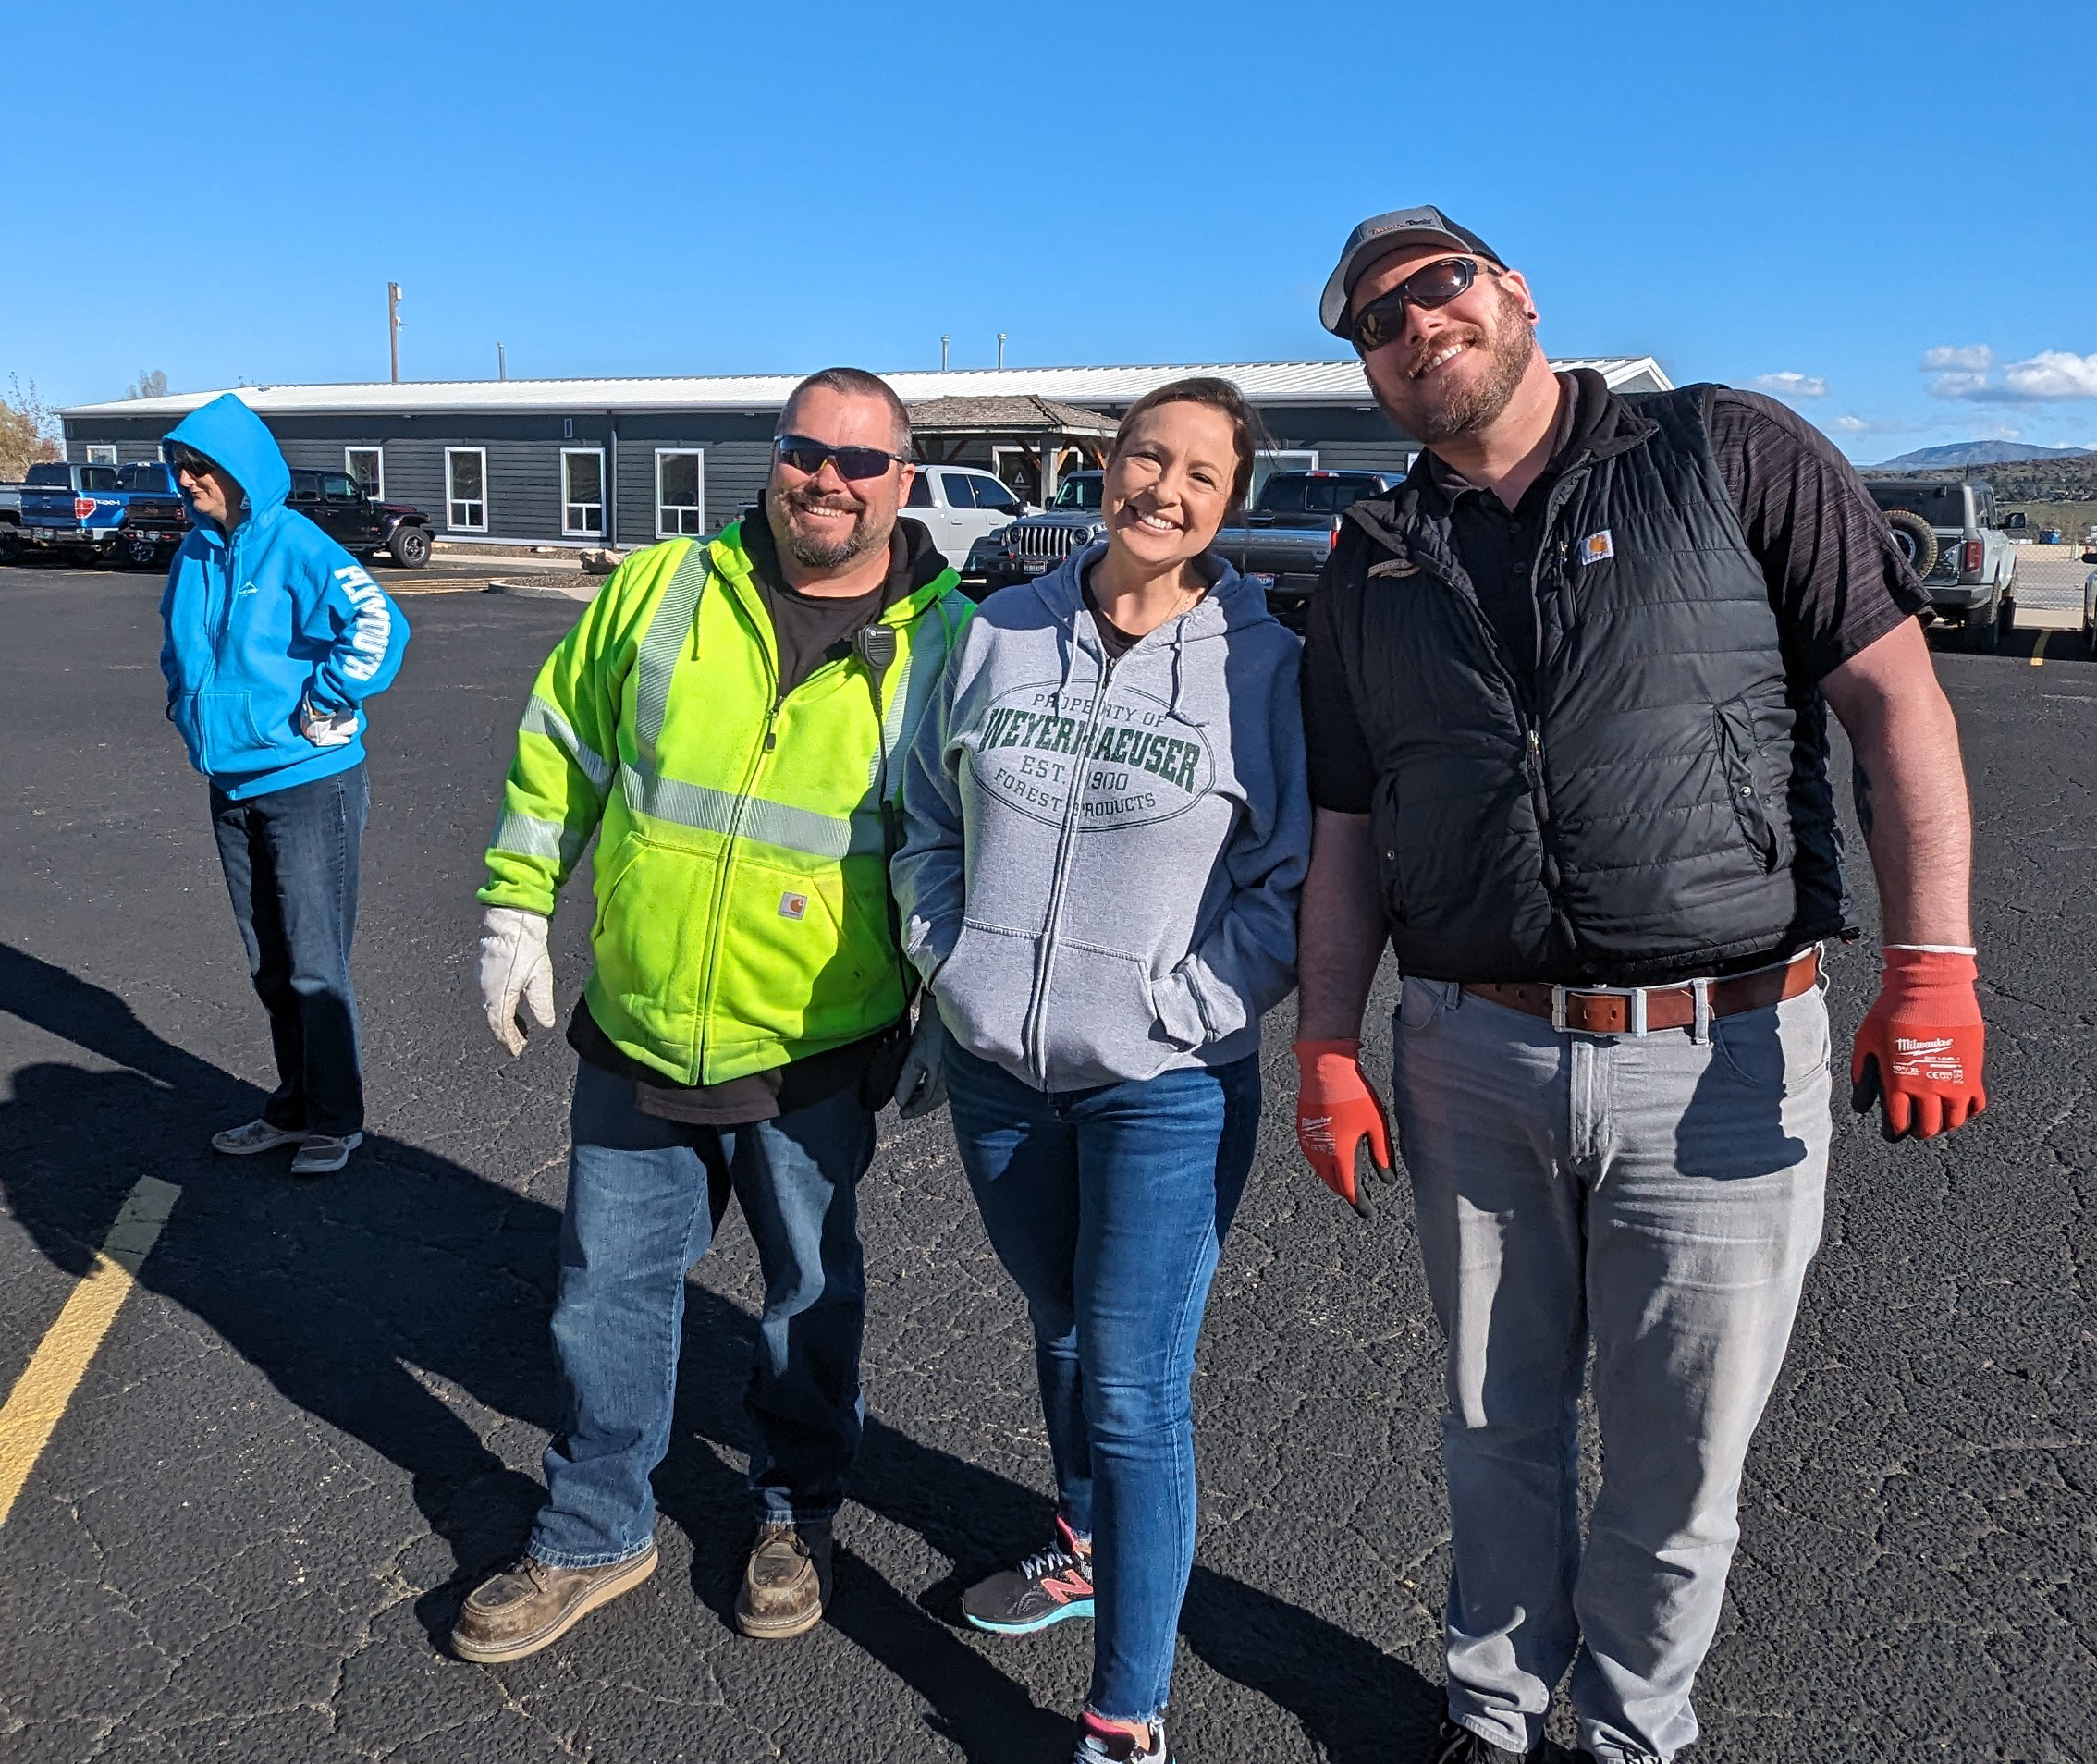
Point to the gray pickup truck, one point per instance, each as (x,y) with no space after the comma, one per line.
(1289,532)
(1951,537)
(10,522)
(1282,545)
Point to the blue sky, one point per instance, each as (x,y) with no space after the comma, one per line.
(1890,204)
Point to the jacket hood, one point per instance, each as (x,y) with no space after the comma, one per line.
(227,433)
(1232,603)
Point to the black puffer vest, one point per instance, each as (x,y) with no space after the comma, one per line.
(1661,807)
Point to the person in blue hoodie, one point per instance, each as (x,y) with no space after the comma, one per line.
(276,636)
(1106,828)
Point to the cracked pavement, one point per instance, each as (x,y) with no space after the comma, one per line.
(319,1417)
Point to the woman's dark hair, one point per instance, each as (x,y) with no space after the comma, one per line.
(1246,431)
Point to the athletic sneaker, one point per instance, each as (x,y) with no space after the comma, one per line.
(1042,1590)
(324,1153)
(1455,1744)
(253,1136)
(1105,1742)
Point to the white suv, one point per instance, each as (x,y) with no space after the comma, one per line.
(959,505)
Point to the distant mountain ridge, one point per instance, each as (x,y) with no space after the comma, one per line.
(1976,453)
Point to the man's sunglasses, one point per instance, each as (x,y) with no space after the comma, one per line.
(1383,319)
(806,455)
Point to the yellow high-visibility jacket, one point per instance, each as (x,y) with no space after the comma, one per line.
(742,873)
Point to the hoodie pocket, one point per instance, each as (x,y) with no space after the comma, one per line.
(1741,762)
(984,988)
(223,736)
(1099,1018)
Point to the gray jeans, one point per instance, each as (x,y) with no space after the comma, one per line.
(1658,1199)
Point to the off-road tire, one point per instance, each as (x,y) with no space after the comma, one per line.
(10,545)
(409,547)
(137,553)
(1914,537)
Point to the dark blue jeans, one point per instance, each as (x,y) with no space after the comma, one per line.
(1108,1208)
(643,1197)
(290,863)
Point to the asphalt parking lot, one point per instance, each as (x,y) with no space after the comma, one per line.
(318,1417)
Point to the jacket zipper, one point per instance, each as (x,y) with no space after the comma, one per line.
(1044,967)
(722,889)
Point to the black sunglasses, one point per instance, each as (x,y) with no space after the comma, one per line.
(806,455)
(188,460)
(1383,319)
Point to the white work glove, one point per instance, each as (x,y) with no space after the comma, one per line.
(514,968)
(327,728)
(921,1086)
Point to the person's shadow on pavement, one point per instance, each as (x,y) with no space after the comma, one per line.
(333,1289)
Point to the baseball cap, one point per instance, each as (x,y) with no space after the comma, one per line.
(1378,237)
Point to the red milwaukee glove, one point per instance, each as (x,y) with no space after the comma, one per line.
(1335,1111)
(1918,1047)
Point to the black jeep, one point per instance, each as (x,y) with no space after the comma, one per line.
(335,503)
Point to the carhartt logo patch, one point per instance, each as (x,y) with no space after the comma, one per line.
(1596,546)
(793,906)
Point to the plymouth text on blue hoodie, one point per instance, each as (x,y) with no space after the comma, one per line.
(267,618)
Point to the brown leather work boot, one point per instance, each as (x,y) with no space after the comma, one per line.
(786,1582)
(530,1604)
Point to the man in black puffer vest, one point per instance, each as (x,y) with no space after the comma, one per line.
(1566,697)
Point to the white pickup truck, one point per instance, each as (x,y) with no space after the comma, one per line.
(959,505)
(1949,533)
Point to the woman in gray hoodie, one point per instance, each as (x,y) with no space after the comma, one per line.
(1106,828)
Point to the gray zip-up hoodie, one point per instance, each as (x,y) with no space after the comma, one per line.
(1100,864)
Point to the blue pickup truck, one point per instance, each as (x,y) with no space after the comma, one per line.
(113,514)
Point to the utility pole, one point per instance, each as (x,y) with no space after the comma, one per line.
(501,363)
(943,342)
(1001,349)
(393,326)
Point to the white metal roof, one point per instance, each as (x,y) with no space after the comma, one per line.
(1264,383)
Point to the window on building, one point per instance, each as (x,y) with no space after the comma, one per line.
(101,453)
(581,492)
(367,465)
(466,488)
(680,499)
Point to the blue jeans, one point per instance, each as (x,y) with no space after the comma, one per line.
(644,1198)
(290,863)
(1108,1208)
(1659,1200)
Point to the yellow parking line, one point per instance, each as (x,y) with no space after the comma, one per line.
(2038,650)
(38,1401)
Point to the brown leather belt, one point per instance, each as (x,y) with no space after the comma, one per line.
(1638,1010)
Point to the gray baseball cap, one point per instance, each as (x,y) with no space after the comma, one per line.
(1400,230)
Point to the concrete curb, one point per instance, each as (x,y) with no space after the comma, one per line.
(530,592)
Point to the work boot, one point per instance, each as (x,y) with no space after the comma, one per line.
(530,1604)
(786,1582)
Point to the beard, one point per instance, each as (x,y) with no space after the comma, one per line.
(809,550)
(1447,411)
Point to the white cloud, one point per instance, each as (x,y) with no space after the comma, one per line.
(1976,358)
(1851,424)
(1971,373)
(1964,385)
(1788,384)
(2052,373)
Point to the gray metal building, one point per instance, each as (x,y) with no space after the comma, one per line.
(585,463)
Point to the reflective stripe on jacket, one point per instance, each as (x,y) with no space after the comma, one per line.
(741,878)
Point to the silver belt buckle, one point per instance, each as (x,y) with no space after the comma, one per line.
(1636,993)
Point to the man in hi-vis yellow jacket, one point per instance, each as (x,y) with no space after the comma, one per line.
(729,718)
